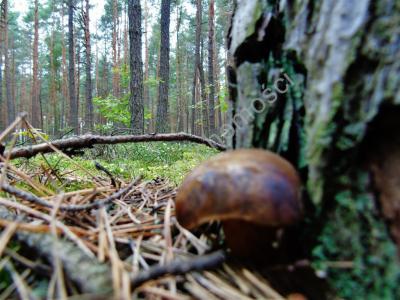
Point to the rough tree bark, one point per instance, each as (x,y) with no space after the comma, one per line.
(162,124)
(136,66)
(73,103)
(318,82)
(89,122)
(2,28)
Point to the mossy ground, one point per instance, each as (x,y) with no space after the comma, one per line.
(171,161)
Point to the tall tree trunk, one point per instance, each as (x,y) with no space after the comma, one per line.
(105,76)
(115,76)
(136,67)
(53,84)
(97,83)
(211,79)
(23,94)
(319,83)
(7,73)
(203,93)
(3,120)
(179,100)
(146,90)
(217,73)
(154,100)
(163,88)
(73,114)
(197,62)
(64,111)
(88,85)
(35,103)
(14,83)
(77,60)
(126,36)
(187,85)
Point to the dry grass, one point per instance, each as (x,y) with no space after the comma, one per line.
(136,231)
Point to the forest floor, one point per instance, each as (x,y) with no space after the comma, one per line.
(61,241)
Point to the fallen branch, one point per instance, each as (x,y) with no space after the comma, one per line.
(180,267)
(87,272)
(88,141)
(71,208)
(108,173)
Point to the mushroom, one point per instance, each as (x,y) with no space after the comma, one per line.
(255,193)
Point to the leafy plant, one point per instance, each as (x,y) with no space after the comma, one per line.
(114,109)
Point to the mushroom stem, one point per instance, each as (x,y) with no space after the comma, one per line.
(251,241)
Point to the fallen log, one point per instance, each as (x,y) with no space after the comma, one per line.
(88,141)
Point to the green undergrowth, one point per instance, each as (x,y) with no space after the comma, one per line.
(356,233)
(171,161)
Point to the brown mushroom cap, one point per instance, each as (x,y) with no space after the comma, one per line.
(250,185)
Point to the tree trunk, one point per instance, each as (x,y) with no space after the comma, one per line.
(197,62)
(203,93)
(64,112)
(7,73)
(136,67)
(77,60)
(23,94)
(3,120)
(53,78)
(14,79)
(162,123)
(211,80)
(35,103)
(73,114)
(146,90)
(179,75)
(96,88)
(126,38)
(88,86)
(115,77)
(318,82)
(217,73)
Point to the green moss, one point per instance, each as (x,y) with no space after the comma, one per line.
(171,161)
(356,233)
(289,104)
(328,142)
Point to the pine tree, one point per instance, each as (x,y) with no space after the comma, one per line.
(162,124)
(73,114)
(136,67)
(35,101)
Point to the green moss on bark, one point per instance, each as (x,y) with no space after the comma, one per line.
(343,64)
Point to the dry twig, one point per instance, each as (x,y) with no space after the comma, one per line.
(71,208)
(180,267)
